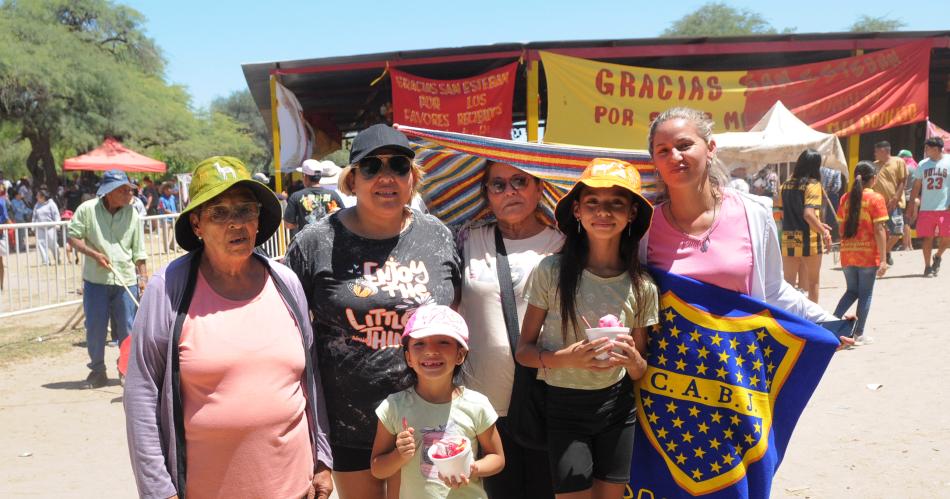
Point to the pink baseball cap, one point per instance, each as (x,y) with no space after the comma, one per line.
(434,320)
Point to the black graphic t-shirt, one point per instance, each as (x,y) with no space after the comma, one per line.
(360,292)
(309,205)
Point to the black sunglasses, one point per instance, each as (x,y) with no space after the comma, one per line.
(499,185)
(399,164)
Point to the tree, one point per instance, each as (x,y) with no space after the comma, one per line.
(75,71)
(719,19)
(240,107)
(869,24)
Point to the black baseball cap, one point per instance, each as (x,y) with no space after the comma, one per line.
(378,137)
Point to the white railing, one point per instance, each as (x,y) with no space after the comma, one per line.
(41,272)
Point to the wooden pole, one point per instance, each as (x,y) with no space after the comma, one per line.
(532,110)
(275,138)
(854,142)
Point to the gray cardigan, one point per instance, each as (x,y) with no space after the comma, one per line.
(149,395)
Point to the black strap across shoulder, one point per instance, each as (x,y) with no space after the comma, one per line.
(508,307)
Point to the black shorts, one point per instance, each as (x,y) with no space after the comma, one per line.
(350,458)
(590,435)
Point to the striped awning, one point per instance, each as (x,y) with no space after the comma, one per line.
(454,164)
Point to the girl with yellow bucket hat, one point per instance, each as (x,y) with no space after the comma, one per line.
(596,280)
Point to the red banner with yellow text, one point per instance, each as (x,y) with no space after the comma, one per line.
(610,105)
(480,105)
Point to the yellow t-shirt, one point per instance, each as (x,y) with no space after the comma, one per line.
(889,174)
(596,297)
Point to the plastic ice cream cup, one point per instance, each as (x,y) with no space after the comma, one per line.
(459,461)
(595,333)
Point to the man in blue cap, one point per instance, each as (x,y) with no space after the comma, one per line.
(108,230)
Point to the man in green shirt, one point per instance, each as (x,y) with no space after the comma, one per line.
(108,231)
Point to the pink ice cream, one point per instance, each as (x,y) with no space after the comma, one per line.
(609,320)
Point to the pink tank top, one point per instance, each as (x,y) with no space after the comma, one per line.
(727,259)
(245,427)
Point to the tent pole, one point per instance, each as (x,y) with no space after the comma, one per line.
(275,138)
(532,105)
(854,142)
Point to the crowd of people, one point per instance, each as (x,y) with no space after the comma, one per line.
(384,337)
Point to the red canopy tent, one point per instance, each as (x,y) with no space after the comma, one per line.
(112,155)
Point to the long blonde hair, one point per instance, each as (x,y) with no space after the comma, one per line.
(704,126)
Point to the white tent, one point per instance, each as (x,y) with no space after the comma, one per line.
(779,137)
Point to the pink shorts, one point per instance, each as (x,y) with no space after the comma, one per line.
(933,223)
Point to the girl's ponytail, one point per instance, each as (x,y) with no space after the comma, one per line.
(863,174)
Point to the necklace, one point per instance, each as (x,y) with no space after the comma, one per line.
(704,239)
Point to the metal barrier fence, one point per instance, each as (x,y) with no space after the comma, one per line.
(41,272)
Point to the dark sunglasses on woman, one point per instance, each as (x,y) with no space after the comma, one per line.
(499,185)
(399,164)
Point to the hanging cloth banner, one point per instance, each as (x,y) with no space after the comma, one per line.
(480,105)
(610,105)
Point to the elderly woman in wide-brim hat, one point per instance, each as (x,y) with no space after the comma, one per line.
(222,397)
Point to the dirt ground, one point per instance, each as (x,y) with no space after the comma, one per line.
(851,442)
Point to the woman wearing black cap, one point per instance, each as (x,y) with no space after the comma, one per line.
(365,269)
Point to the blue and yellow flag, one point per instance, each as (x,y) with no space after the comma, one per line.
(728,378)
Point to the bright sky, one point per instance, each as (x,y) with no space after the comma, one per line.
(205,43)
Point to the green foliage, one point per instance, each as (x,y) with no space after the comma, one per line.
(719,19)
(240,107)
(73,72)
(869,24)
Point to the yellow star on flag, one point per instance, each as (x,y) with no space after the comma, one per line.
(753,380)
(749,439)
(703,428)
(671,407)
(697,474)
(680,365)
(680,459)
(723,357)
(727,434)
(733,343)
(699,452)
(701,368)
(674,332)
(670,315)
(662,344)
(661,359)
(728,459)
(735,420)
(653,418)
(671,446)
(716,339)
(738,375)
(739,449)
(721,373)
(702,352)
(760,335)
(694,411)
(739,360)
(682,349)
(758,428)
(688,437)
(716,417)
(715,467)
(677,423)
(714,443)
(770,366)
(757,364)
(661,433)
(647,401)
(767,351)
(752,348)
(694,335)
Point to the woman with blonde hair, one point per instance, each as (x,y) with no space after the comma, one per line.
(365,269)
(703,230)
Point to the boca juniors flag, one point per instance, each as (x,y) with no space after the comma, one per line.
(728,378)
